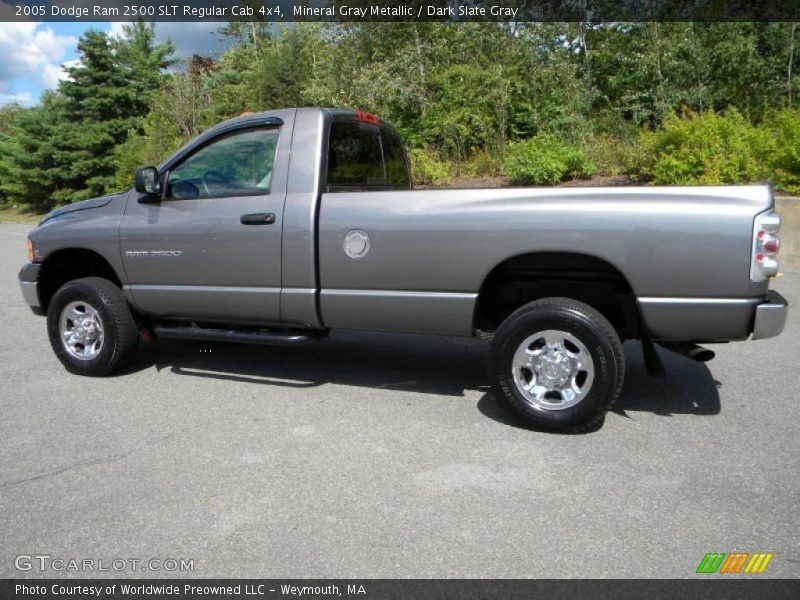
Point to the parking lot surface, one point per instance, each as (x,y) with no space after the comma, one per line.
(386,456)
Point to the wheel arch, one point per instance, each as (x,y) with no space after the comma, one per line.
(68,264)
(527,277)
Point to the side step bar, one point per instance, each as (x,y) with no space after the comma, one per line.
(267,337)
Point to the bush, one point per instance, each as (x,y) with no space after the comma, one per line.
(610,154)
(427,168)
(706,148)
(545,159)
(784,162)
(484,163)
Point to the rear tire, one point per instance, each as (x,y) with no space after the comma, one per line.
(558,363)
(91,327)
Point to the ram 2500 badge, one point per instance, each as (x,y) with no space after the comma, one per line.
(274,228)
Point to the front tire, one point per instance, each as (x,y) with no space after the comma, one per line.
(91,328)
(558,363)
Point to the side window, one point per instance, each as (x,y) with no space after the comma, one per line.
(354,155)
(237,164)
(396,168)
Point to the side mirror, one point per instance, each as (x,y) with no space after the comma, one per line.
(146,181)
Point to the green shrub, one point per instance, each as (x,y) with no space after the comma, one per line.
(784,162)
(481,164)
(427,168)
(610,154)
(706,148)
(544,159)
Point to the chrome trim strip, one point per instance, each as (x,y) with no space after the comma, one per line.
(202,288)
(667,300)
(401,294)
(272,290)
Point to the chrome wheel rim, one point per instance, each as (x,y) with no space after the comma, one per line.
(81,330)
(553,370)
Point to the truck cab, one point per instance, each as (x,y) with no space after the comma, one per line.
(229,235)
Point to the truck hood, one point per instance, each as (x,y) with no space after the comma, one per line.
(82,205)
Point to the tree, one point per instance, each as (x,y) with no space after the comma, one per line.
(64,150)
(142,62)
(458,91)
(101,107)
(30,172)
(8,115)
(106,98)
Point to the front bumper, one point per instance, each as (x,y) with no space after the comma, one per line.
(770,316)
(28,276)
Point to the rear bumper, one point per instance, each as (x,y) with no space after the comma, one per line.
(28,276)
(699,319)
(770,316)
(712,320)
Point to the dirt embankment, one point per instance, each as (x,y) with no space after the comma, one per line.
(789,209)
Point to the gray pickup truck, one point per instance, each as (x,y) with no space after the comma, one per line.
(276,227)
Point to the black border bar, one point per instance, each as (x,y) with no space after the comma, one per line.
(275,11)
(711,588)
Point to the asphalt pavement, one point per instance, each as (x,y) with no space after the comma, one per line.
(373,455)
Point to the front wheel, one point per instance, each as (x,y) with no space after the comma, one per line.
(558,363)
(91,328)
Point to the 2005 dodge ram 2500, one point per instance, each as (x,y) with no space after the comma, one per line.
(276,227)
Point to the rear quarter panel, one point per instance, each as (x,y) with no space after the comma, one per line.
(432,249)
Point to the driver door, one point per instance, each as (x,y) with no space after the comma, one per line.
(210,249)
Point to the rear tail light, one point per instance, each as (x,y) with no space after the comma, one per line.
(771,246)
(766,245)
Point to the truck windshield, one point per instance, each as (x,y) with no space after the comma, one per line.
(364,156)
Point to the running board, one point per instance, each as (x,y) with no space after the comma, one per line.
(267,337)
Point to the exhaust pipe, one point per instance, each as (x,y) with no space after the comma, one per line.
(693,351)
(700,354)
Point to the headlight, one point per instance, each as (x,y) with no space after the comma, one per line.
(33,253)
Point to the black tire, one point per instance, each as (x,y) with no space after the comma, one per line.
(592,329)
(121,335)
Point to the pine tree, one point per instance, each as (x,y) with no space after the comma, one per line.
(143,63)
(106,96)
(29,172)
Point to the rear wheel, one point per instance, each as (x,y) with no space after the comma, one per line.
(558,363)
(91,328)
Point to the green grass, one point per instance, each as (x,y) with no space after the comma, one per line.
(9,214)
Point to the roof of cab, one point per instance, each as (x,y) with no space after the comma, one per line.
(256,118)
